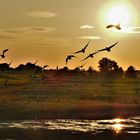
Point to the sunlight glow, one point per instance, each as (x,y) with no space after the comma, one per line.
(118,14)
(117,127)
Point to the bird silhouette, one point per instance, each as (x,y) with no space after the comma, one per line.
(69,57)
(10,63)
(35,62)
(45,66)
(3,53)
(83,49)
(108,48)
(81,66)
(90,55)
(115,26)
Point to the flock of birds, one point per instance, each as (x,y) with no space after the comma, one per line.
(91,55)
(69,57)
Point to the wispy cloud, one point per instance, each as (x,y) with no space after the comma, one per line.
(22,30)
(129,30)
(43,29)
(42,14)
(2,36)
(90,37)
(86,27)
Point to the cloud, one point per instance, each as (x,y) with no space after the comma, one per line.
(2,36)
(22,30)
(86,27)
(90,37)
(43,29)
(42,14)
(129,30)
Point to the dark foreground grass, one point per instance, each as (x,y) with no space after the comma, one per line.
(78,97)
(42,134)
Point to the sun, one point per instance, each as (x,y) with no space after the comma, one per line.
(118,14)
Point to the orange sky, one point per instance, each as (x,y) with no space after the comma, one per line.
(49,30)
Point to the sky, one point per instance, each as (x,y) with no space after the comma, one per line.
(49,30)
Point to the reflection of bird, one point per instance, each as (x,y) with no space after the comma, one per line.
(108,48)
(116,26)
(83,49)
(69,57)
(81,66)
(3,56)
(3,85)
(90,55)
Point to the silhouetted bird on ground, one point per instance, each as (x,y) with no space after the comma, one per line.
(108,48)
(83,49)
(3,85)
(3,53)
(90,55)
(69,57)
(115,26)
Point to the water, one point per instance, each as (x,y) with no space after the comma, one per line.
(117,126)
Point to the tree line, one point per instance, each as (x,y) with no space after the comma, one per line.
(107,67)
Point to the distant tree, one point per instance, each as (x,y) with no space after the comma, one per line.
(105,65)
(21,67)
(131,72)
(91,70)
(4,67)
(29,66)
(108,66)
(77,69)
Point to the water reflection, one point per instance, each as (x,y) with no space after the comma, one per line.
(117,125)
(130,125)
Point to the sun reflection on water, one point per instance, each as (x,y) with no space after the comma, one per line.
(118,126)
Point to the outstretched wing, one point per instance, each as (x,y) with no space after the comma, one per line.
(87,45)
(77,52)
(83,65)
(113,45)
(67,60)
(5,51)
(45,66)
(10,63)
(102,50)
(86,58)
(110,26)
(35,62)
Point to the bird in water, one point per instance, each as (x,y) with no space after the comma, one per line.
(108,48)
(3,53)
(69,57)
(117,26)
(83,49)
(90,55)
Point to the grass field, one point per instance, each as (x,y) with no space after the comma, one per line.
(84,97)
